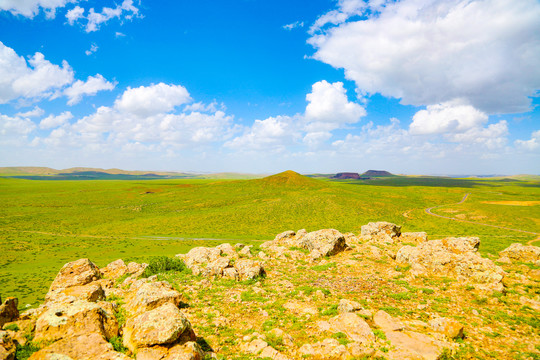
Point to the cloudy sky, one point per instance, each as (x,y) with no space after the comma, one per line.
(411,86)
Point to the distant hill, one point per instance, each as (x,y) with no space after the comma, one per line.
(377,173)
(346,175)
(289,178)
(85,173)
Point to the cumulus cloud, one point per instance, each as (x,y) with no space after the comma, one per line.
(126,10)
(430,52)
(35,112)
(75,14)
(153,99)
(30,8)
(52,121)
(451,116)
(532,144)
(273,133)
(40,79)
(329,108)
(91,86)
(346,9)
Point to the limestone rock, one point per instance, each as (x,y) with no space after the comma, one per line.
(353,326)
(228,250)
(270,352)
(255,346)
(453,257)
(162,325)
(519,252)
(327,242)
(413,237)
(80,272)
(7,346)
(327,349)
(200,255)
(150,296)
(381,231)
(136,269)
(447,326)
(386,322)
(413,345)
(92,292)
(249,269)
(80,317)
(285,238)
(186,351)
(9,311)
(82,347)
(216,267)
(115,269)
(346,306)
(231,273)
(246,251)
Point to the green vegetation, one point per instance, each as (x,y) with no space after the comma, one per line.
(46,224)
(162,264)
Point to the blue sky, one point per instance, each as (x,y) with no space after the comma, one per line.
(413,87)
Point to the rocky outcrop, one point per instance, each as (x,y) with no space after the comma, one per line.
(115,270)
(162,325)
(327,242)
(453,257)
(77,318)
(382,231)
(521,253)
(146,296)
(84,346)
(7,346)
(447,326)
(80,272)
(223,261)
(9,311)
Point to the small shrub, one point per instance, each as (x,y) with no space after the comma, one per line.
(330,311)
(341,337)
(379,333)
(401,296)
(121,316)
(160,264)
(324,267)
(24,352)
(117,344)
(12,327)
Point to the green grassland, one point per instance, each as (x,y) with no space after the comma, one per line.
(45,224)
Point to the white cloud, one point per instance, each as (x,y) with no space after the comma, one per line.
(532,144)
(346,9)
(429,52)
(124,11)
(89,87)
(328,107)
(52,121)
(35,112)
(75,14)
(153,99)
(30,8)
(40,79)
(297,24)
(92,50)
(451,116)
(492,137)
(273,134)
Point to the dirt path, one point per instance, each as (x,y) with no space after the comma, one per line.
(429,212)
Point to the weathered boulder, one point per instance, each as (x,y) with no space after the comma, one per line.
(271,353)
(346,306)
(413,237)
(353,326)
(229,250)
(115,269)
(92,292)
(327,242)
(386,322)
(519,252)
(162,325)
(80,272)
(447,326)
(216,267)
(381,231)
(249,269)
(9,311)
(199,256)
(81,347)
(413,345)
(136,269)
(7,346)
(71,319)
(151,295)
(287,238)
(453,257)
(326,349)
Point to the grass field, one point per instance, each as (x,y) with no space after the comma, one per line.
(45,224)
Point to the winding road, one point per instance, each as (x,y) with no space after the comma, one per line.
(429,212)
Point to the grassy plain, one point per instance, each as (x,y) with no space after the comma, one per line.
(45,224)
